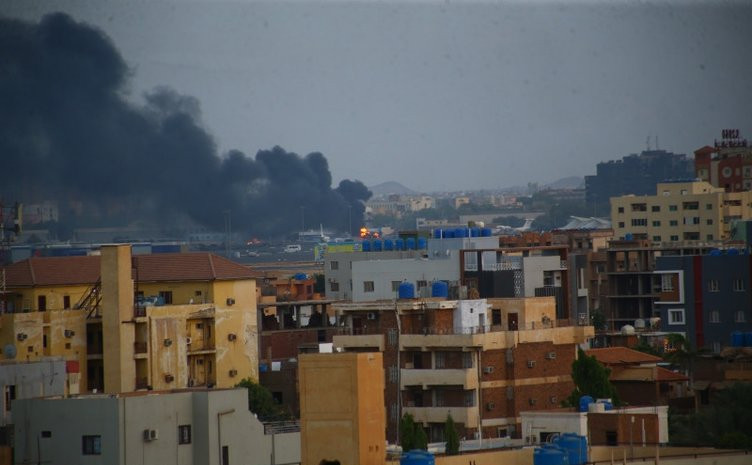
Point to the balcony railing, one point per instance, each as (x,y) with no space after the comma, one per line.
(465,415)
(467,378)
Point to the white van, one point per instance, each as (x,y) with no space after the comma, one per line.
(292,248)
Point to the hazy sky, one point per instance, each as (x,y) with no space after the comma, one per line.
(442,95)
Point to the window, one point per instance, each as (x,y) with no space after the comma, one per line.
(667,283)
(10,395)
(656,238)
(166,296)
(639,222)
(695,220)
(713,285)
(467,360)
(66,301)
(198,294)
(672,208)
(676,316)
(708,206)
(691,205)
(368,286)
(621,209)
(621,224)
(395,286)
(674,238)
(41,303)
(717,347)
(656,224)
(91,445)
(737,285)
(655,208)
(673,223)
(334,265)
(334,286)
(709,221)
(639,207)
(184,434)
(709,237)
(740,317)
(439,360)
(715,316)
(225,455)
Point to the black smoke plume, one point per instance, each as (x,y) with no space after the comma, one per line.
(68,134)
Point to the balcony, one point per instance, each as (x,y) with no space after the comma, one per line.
(467,378)
(465,415)
(360,341)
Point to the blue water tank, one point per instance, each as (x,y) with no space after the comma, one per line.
(448,234)
(607,405)
(300,276)
(584,402)
(737,339)
(366,246)
(548,456)
(388,244)
(437,233)
(406,291)
(439,289)
(399,244)
(628,236)
(715,253)
(748,339)
(410,242)
(474,232)
(422,243)
(417,457)
(575,446)
(376,246)
(486,232)
(732,251)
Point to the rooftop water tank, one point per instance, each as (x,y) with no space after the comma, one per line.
(422,243)
(300,276)
(406,290)
(437,233)
(399,244)
(575,446)
(732,251)
(448,233)
(548,456)
(627,329)
(715,253)
(417,457)
(737,339)
(388,244)
(486,232)
(410,242)
(474,232)
(366,246)
(584,402)
(439,289)
(376,246)
(597,407)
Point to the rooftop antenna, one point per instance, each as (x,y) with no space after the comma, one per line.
(647,143)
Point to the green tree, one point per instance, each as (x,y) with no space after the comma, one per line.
(591,379)
(598,320)
(407,432)
(421,440)
(682,353)
(261,402)
(451,436)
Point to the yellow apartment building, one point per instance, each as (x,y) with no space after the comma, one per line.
(680,211)
(160,321)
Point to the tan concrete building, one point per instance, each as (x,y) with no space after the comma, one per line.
(680,211)
(160,321)
(342,408)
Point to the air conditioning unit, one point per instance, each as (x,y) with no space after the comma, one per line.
(169,378)
(372,315)
(21,336)
(490,406)
(233,373)
(69,333)
(551,355)
(488,370)
(230,301)
(150,435)
(231,337)
(188,340)
(167,342)
(531,363)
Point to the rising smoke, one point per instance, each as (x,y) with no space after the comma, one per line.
(67,133)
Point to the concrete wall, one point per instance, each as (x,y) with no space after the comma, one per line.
(33,379)
(384,272)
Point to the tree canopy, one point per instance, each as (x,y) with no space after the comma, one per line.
(261,402)
(591,379)
(412,435)
(451,437)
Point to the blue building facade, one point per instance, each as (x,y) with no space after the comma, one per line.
(706,297)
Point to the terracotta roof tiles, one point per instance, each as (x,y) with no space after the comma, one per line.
(622,356)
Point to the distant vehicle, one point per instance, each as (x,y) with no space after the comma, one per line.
(291,248)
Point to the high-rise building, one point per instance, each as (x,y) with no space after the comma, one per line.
(633,174)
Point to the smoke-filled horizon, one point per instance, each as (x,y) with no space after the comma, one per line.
(68,134)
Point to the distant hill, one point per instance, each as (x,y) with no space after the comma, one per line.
(571,182)
(390,187)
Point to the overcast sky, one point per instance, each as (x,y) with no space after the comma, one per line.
(442,95)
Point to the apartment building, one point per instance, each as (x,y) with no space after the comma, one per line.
(135,322)
(481,360)
(705,297)
(680,211)
(728,164)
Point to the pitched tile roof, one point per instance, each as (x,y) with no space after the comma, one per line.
(59,271)
(622,356)
(646,374)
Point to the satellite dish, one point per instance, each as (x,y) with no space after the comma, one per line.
(9,351)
